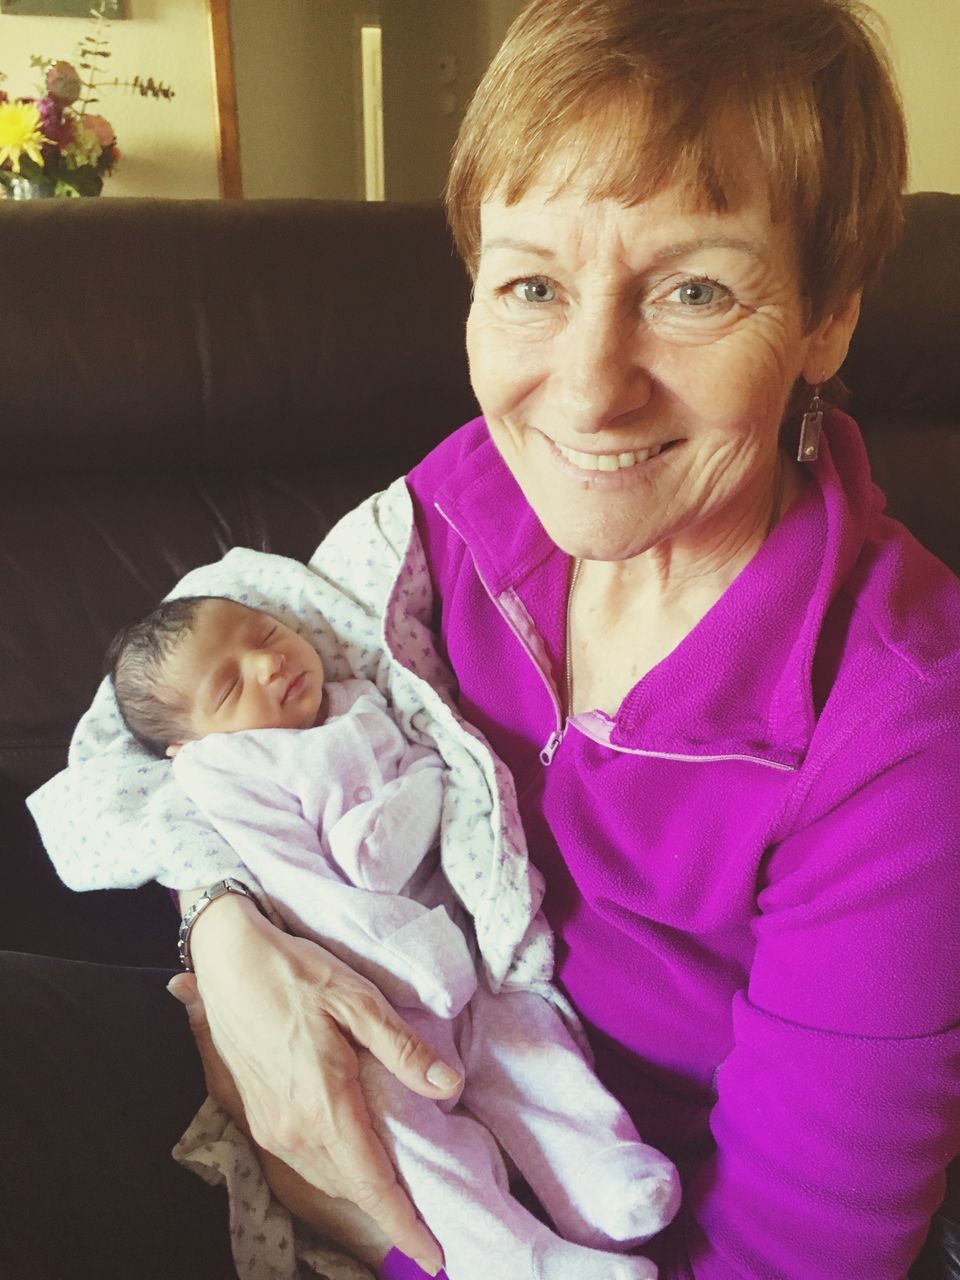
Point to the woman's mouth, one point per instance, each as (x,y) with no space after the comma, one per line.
(610,461)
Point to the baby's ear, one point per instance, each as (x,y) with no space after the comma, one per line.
(173,748)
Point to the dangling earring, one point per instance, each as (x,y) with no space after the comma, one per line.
(810,429)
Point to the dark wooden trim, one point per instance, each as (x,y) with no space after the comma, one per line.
(228,123)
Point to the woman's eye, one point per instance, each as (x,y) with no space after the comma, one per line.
(698,293)
(533,291)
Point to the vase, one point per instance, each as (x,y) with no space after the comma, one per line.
(17,187)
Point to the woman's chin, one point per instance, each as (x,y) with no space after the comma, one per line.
(586,544)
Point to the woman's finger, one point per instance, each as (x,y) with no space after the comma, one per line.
(324,1133)
(334,1218)
(284,1015)
(321,1197)
(369,1180)
(373,1023)
(335,1150)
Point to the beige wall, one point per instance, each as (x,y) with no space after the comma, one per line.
(296,65)
(421,114)
(168,148)
(293,63)
(498,15)
(925,41)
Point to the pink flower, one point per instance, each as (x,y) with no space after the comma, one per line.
(101,129)
(57,127)
(63,82)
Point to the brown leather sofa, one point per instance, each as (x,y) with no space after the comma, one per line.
(180,377)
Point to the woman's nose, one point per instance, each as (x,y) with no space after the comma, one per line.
(604,379)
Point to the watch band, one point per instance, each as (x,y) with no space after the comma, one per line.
(209,895)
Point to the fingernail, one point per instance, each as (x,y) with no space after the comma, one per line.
(172,988)
(431,1268)
(442,1077)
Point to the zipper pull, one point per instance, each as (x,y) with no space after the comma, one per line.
(550,750)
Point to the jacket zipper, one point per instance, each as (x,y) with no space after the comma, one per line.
(552,745)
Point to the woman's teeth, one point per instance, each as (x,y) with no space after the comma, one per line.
(608,461)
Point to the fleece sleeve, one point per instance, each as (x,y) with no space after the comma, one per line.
(839,1105)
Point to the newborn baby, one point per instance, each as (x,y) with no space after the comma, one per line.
(338,818)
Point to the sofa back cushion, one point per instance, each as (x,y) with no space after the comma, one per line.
(179,377)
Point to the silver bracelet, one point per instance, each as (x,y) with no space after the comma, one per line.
(190,919)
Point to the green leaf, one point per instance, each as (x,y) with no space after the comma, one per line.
(32,171)
(86,181)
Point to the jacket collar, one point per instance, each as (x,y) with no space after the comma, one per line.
(741,683)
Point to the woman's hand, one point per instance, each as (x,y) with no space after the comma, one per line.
(280,1010)
(333,1219)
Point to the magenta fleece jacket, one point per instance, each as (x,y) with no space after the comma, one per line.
(752,870)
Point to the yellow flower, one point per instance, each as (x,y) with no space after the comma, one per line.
(20,133)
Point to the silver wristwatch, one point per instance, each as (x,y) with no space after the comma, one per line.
(189,920)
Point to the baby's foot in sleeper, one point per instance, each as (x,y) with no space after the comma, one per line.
(556,1259)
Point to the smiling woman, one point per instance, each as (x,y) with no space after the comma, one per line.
(725,686)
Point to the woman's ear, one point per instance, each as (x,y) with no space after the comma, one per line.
(830,342)
(173,748)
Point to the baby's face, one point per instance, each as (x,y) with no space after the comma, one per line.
(239,668)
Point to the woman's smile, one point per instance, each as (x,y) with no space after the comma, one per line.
(607,462)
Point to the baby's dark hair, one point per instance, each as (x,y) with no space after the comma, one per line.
(152,710)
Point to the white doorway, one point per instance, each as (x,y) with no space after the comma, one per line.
(371,89)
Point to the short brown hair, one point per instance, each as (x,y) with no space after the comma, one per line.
(810,78)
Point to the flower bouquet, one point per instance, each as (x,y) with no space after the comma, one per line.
(53,144)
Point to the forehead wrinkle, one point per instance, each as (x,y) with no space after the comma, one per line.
(698,243)
(517,245)
(678,249)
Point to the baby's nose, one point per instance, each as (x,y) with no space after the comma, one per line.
(266,664)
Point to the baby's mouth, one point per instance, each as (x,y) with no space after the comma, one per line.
(293,688)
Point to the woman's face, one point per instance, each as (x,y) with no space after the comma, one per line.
(634,363)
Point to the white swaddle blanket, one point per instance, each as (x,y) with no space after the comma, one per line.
(364,601)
